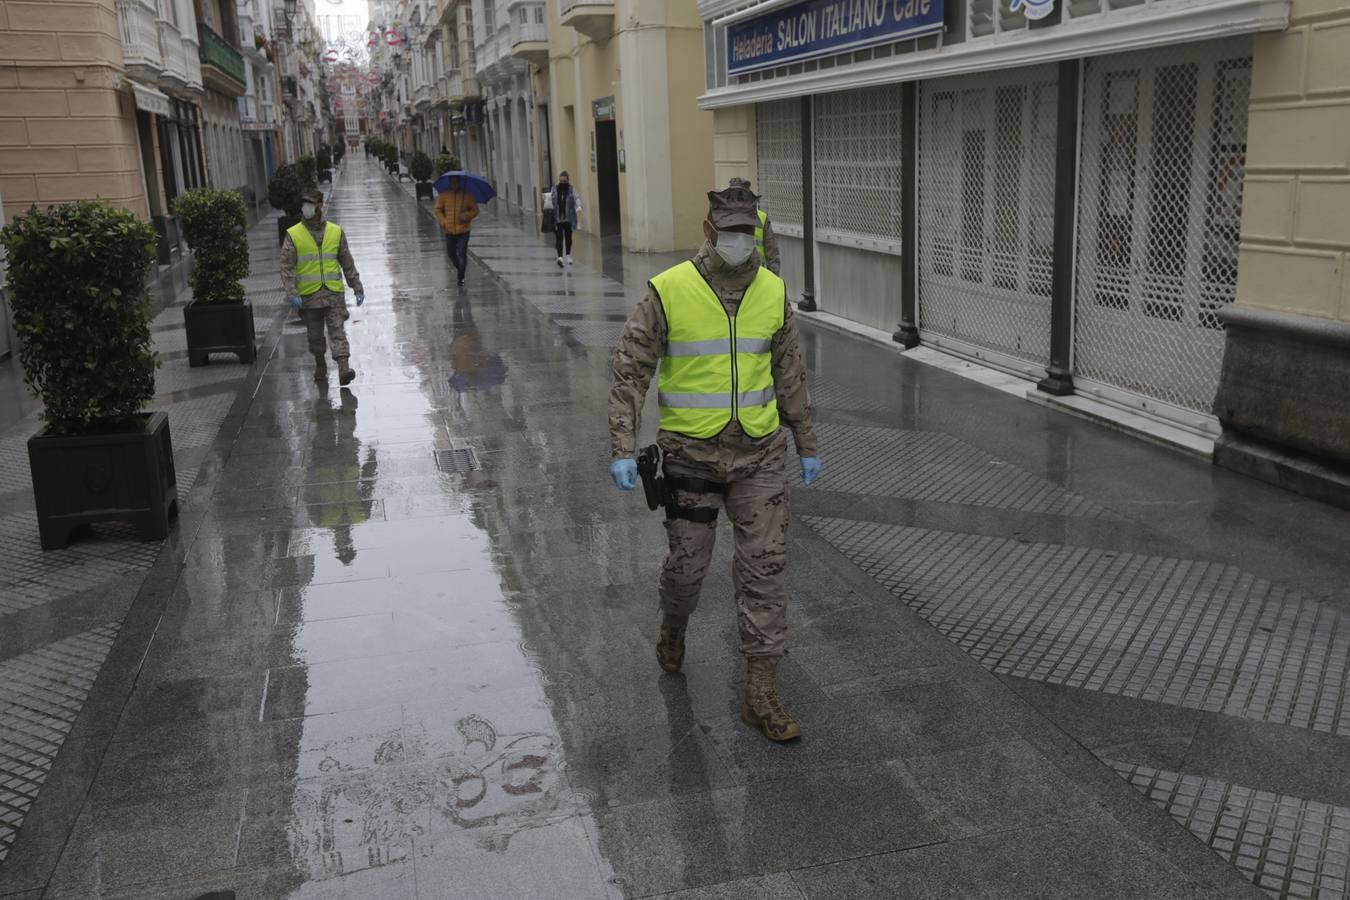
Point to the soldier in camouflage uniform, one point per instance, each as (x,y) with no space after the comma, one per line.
(734,466)
(326,308)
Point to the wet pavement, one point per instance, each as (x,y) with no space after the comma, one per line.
(401,643)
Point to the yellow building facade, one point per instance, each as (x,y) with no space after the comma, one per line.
(624,121)
(67,122)
(1283,399)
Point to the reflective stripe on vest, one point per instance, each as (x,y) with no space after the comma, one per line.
(317,268)
(759,234)
(716,366)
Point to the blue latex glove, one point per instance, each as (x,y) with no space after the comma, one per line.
(624,473)
(297,302)
(810,469)
(360,298)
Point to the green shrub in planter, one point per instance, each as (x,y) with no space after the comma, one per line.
(324,161)
(421,166)
(442,165)
(218,320)
(77,277)
(284,190)
(307,167)
(216,226)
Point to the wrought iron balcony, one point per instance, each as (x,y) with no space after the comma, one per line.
(222,65)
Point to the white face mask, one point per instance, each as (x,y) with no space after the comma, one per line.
(734,247)
(307,210)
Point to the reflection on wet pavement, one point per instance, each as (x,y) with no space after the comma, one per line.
(408,650)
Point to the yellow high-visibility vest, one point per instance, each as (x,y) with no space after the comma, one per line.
(718,367)
(759,234)
(314,267)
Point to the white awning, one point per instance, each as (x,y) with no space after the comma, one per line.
(151,100)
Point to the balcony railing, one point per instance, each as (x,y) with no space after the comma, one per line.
(140,39)
(217,53)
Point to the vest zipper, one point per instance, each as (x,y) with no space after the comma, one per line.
(735,377)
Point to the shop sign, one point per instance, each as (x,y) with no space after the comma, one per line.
(825,27)
(603,109)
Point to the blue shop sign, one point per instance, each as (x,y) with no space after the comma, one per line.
(826,27)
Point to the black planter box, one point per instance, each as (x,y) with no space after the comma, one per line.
(219,328)
(123,475)
(282,224)
(424,190)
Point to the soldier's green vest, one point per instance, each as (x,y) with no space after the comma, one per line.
(718,367)
(759,234)
(316,267)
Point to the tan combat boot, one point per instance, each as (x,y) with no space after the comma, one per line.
(761,706)
(670,646)
(346,374)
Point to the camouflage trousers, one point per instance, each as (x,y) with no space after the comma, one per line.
(330,318)
(757,505)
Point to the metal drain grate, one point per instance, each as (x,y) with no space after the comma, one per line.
(457,461)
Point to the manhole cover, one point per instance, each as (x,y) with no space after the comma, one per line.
(457,461)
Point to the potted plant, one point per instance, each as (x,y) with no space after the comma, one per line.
(219,319)
(421,173)
(339,151)
(307,167)
(324,159)
(284,191)
(77,279)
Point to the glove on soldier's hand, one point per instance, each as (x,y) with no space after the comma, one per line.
(624,473)
(297,301)
(810,469)
(360,298)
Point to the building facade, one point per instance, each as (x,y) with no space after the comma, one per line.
(624,122)
(224,82)
(101,99)
(1053,188)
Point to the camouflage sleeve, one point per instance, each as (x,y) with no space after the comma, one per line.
(349,265)
(790,383)
(631,368)
(773,256)
(288,267)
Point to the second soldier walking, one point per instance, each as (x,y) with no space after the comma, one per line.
(314,260)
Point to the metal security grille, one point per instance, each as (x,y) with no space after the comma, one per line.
(1160,200)
(857,167)
(986,209)
(779,141)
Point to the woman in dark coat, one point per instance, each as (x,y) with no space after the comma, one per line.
(565,203)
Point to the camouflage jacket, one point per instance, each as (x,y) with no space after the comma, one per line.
(643,344)
(323,297)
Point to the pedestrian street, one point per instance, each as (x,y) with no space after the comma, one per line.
(401,642)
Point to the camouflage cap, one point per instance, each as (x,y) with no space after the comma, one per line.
(732,207)
(313,195)
(739,182)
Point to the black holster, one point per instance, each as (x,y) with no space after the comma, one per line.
(660,488)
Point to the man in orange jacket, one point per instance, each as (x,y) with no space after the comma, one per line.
(455,210)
